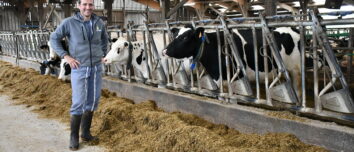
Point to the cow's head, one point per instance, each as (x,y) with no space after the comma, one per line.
(186,44)
(119,52)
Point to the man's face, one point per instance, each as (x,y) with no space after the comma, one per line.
(86,7)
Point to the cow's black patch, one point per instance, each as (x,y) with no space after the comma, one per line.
(44,47)
(67,68)
(286,41)
(139,59)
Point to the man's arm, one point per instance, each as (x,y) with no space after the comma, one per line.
(56,37)
(104,41)
(55,42)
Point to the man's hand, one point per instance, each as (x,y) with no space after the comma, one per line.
(74,64)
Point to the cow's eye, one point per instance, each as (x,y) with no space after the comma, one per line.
(118,51)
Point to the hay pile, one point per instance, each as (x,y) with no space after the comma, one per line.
(122,125)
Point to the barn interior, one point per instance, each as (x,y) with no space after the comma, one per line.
(326,31)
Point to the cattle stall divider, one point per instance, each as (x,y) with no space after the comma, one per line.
(206,85)
(25,44)
(337,100)
(325,105)
(283,92)
(241,86)
(177,70)
(297,105)
(158,75)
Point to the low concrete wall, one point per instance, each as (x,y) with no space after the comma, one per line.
(243,118)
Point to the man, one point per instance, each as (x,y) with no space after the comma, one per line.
(88,40)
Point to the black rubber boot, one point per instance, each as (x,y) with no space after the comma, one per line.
(74,135)
(85,127)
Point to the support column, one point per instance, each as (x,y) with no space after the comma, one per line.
(67,10)
(108,7)
(22,12)
(270,7)
(165,8)
(40,14)
(244,6)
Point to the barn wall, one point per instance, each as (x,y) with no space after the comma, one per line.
(8,19)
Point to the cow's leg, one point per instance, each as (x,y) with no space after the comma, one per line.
(47,70)
(295,75)
(62,72)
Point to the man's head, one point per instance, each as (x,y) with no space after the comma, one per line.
(86,8)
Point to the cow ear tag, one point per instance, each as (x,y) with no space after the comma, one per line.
(192,67)
(200,35)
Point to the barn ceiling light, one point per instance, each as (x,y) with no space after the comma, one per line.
(189,4)
(257,7)
(296,4)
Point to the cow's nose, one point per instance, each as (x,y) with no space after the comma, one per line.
(105,60)
(164,52)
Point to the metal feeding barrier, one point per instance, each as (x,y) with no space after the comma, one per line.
(283,92)
(25,44)
(337,100)
(332,99)
(239,86)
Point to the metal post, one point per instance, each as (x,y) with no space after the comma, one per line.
(303,72)
(266,70)
(350,56)
(228,68)
(318,104)
(255,49)
(146,55)
(221,87)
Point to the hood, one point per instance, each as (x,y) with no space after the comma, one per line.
(78,17)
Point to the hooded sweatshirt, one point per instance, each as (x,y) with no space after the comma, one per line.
(85,48)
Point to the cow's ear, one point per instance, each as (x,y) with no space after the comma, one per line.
(114,40)
(126,44)
(199,32)
(44,46)
(174,31)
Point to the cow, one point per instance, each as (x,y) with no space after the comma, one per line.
(119,54)
(48,66)
(188,41)
(158,39)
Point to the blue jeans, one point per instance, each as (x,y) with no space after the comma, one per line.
(86,85)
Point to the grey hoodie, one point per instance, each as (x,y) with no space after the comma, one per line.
(88,52)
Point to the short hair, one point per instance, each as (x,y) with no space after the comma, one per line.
(79,1)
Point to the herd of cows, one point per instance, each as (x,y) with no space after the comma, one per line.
(186,45)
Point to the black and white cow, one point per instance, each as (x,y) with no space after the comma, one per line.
(54,61)
(158,39)
(188,42)
(119,54)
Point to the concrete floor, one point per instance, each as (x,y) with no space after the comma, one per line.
(22,131)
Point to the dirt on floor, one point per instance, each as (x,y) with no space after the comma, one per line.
(122,125)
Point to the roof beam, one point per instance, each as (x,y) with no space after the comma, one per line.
(150,3)
(174,9)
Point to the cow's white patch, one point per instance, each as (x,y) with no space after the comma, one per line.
(182,30)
